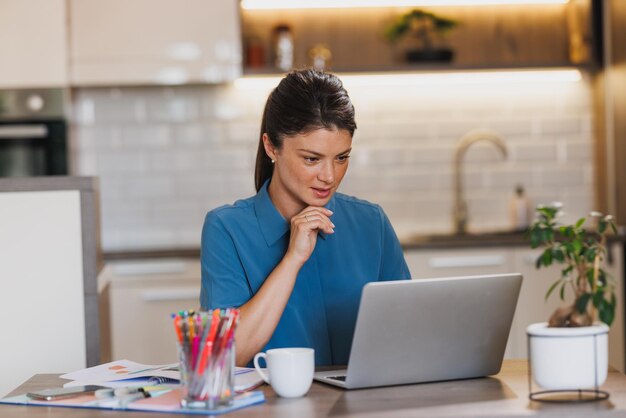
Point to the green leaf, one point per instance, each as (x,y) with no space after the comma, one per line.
(562,291)
(552,287)
(558,255)
(535,238)
(606,313)
(581,302)
(598,297)
(577,246)
(590,254)
(547,257)
(613,227)
(602,224)
(566,271)
(580,223)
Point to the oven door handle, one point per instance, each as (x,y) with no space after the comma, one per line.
(30,131)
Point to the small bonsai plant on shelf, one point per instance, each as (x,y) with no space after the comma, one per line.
(424,26)
(581,252)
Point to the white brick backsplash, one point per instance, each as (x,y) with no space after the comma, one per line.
(85,165)
(244,132)
(532,151)
(485,153)
(452,131)
(471,179)
(511,127)
(561,125)
(183,160)
(167,155)
(196,134)
(122,162)
(152,186)
(84,112)
(195,183)
(174,212)
(485,206)
(145,136)
(506,177)
(189,238)
(404,130)
(586,123)
(147,238)
(563,176)
(588,175)
(173,109)
(578,151)
(225,158)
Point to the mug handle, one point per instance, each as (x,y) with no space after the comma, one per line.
(258,368)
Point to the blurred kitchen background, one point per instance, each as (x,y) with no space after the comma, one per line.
(160,103)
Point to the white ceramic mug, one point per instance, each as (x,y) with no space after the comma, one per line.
(290,370)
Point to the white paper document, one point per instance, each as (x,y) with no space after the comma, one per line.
(122,373)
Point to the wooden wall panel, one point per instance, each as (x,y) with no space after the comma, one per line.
(600,172)
(617,74)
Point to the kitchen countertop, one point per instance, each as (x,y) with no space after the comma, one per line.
(408,242)
(446,241)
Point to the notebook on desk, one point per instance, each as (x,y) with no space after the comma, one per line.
(427,330)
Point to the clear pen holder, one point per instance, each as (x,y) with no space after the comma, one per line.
(207,376)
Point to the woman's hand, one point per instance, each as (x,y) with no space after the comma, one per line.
(304,228)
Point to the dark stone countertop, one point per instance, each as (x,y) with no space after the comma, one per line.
(448,241)
(408,242)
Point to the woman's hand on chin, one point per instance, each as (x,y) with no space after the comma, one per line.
(304,228)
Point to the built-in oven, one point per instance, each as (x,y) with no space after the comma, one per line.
(33,133)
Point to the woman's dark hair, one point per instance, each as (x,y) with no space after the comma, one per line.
(303,101)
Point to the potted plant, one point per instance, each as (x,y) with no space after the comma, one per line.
(570,351)
(424,26)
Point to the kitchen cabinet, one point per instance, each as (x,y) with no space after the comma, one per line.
(506,36)
(142,294)
(458,262)
(531,306)
(126,42)
(33,43)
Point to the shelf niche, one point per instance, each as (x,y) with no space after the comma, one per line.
(486,37)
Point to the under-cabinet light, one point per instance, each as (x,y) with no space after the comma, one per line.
(338,4)
(556,75)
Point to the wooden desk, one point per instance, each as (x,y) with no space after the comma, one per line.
(503,395)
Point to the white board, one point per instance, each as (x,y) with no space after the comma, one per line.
(42,325)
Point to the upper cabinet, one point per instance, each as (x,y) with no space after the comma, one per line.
(455,37)
(135,42)
(33,43)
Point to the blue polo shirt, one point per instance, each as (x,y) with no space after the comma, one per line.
(242,244)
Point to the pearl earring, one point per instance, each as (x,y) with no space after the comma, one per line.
(273,161)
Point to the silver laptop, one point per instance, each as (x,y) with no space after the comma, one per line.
(427,330)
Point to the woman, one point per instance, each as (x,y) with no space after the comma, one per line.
(295,257)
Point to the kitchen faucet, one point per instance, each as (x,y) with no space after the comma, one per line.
(460,205)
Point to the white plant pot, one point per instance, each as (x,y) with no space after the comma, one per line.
(568,358)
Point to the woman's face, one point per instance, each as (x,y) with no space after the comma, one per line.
(308,168)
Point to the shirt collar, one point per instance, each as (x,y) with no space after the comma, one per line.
(273,225)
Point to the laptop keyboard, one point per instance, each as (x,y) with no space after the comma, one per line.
(340,378)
